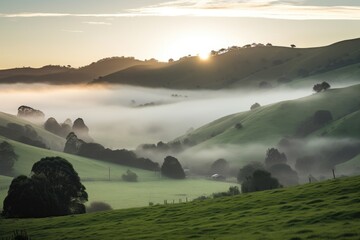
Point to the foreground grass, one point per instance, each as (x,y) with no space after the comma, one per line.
(326,210)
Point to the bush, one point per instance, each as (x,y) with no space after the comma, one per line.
(248,170)
(98,207)
(130,176)
(7,157)
(273,156)
(259,181)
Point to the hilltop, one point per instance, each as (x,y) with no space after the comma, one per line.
(67,75)
(302,212)
(258,66)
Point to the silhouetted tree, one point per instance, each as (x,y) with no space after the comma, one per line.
(220,166)
(259,181)
(325,86)
(98,207)
(130,176)
(54,189)
(285,174)
(172,168)
(248,170)
(7,158)
(293,46)
(255,105)
(273,156)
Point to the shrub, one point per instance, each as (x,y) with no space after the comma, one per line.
(98,207)
(130,176)
(259,181)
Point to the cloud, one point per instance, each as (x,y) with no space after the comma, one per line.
(98,23)
(72,31)
(276,9)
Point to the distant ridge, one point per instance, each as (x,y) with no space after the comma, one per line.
(258,66)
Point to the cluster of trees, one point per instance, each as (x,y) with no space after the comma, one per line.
(30,113)
(53,189)
(25,134)
(7,158)
(171,147)
(77,146)
(78,127)
(274,174)
(321,87)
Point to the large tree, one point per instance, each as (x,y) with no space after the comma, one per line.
(54,189)
(7,158)
(172,168)
(273,156)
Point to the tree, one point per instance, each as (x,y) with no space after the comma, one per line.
(54,189)
(248,170)
(293,46)
(285,174)
(321,86)
(130,176)
(7,157)
(273,156)
(220,166)
(325,86)
(255,105)
(172,168)
(259,181)
(239,126)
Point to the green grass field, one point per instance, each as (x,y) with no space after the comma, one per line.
(325,210)
(119,194)
(51,140)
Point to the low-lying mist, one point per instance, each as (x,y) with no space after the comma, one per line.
(124,116)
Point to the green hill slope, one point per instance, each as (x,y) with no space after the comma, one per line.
(119,194)
(303,212)
(242,67)
(67,75)
(268,124)
(51,140)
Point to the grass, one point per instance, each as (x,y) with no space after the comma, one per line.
(267,125)
(325,210)
(119,194)
(244,68)
(51,140)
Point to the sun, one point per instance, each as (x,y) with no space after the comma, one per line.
(204,56)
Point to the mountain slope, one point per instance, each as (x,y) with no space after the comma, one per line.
(242,67)
(68,75)
(268,124)
(303,212)
(51,140)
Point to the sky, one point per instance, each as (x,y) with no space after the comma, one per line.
(78,32)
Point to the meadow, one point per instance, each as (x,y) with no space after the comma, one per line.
(324,210)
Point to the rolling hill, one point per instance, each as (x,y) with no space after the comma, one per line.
(151,187)
(67,75)
(302,212)
(51,140)
(251,67)
(268,124)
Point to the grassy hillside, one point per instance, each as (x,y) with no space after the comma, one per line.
(303,212)
(243,67)
(68,75)
(51,140)
(95,176)
(268,124)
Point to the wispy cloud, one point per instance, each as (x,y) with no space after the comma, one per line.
(98,23)
(72,31)
(277,9)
